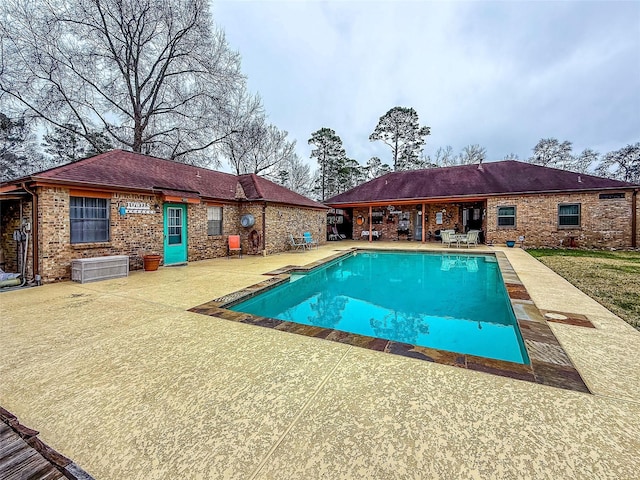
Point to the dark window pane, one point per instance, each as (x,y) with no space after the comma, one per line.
(569,215)
(89,219)
(507,211)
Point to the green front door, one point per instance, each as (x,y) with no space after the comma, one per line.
(175,233)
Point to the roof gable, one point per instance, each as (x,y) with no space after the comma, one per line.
(493,178)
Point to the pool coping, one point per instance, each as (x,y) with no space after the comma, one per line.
(549,363)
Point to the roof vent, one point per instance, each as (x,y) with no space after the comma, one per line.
(579,179)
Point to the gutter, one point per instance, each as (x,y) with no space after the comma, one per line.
(34,230)
(465,197)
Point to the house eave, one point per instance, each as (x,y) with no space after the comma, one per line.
(469,198)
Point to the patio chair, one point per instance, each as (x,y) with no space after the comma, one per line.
(472,238)
(297,243)
(309,241)
(234,246)
(447,237)
(333,233)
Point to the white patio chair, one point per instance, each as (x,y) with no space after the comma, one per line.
(447,237)
(472,238)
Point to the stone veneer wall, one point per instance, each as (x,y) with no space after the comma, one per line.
(604,223)
(282,220)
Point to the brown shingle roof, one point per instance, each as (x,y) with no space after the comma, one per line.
(494,178)
(128,170)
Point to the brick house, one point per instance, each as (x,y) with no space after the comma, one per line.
(506,200)
(123,203)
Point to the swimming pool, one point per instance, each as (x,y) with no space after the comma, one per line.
(456,303)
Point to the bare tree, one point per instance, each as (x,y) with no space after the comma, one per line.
(472,154)
(156,77)
(511,156)
(549,152)
(444,157)
(623,164)
(272,150)
(583,162)
(296,175)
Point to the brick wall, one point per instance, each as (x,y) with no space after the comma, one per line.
(201,245)
(604,223)
(282,220)
(135,234)
(132,234)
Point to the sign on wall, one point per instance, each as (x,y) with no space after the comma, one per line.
(139,207)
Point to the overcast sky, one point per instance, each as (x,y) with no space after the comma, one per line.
(499,74)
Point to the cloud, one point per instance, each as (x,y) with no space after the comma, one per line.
(500,74)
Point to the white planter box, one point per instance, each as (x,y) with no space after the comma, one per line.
(86,270)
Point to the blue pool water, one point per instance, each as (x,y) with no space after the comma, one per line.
(448,302)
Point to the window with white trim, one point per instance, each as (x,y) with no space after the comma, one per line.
(569,215)
(507,217)
(214,220)
(89,219)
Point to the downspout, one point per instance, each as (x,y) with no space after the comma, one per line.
(264,229)
(634,219)
(34,231)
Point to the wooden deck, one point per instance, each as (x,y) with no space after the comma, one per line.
(23,456)
(18,460)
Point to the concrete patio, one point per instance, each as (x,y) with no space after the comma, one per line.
(119,377)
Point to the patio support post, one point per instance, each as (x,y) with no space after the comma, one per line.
(424,214)
(370,223)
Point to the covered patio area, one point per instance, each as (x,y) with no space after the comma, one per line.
(414,221)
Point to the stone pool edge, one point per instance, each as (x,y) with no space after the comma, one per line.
(550,365)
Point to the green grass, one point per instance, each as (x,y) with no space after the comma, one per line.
(612,278)
(614,255)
